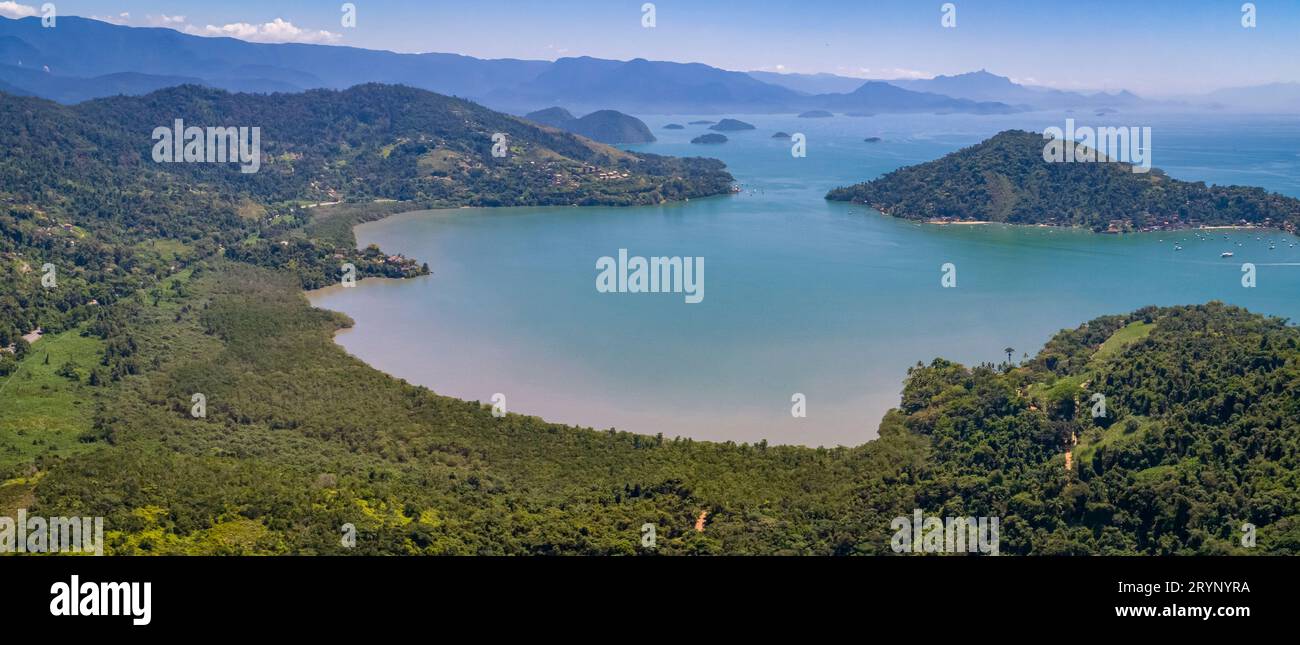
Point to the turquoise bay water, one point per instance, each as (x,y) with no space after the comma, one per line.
(831,300)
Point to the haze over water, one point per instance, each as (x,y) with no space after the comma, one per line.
(827,299)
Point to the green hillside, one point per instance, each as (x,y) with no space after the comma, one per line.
(83,193)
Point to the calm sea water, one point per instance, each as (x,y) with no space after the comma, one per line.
(830,300)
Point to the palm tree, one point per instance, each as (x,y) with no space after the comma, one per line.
(1009,351)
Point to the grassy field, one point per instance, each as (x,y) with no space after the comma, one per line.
(1129,432)
(334,222)
(1127,335)
(42,413)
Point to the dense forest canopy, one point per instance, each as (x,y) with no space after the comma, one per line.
(1005,179)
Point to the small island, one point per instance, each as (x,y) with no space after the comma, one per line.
(1005,179)
(731,125)
(710,138)
(781,135)
(605,126)
(674,126)
(872,139)
(816,114)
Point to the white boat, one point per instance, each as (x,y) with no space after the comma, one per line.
(1226,254)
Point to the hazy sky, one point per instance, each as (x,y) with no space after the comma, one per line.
(1153,47)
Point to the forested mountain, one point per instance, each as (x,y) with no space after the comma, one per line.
(552,116)
(81,190)
(1200,434)
(1006,179)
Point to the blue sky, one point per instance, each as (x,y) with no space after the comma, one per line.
(1153,47)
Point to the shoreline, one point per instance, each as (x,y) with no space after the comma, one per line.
(1202,227)
(335,288)
(579,418)
(576,417)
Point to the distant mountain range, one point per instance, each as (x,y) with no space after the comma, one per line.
(81,48)
(878,96)
(810,83)
(1275,97)
(85,59)
(643,86)
(974,86)
(985,86)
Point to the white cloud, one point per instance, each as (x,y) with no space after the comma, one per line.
(893,73)
(11,9)
(276,31)
(120,19)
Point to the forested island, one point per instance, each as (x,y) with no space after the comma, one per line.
(1005,179)
(176,279)
(731,125)
(605,126)
(710,138)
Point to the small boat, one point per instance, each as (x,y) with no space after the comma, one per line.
(1226,254)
